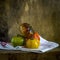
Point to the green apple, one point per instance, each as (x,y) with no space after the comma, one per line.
(17,41)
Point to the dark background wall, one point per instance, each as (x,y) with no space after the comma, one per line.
(43,15)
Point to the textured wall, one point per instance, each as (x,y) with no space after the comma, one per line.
(43,15)
(3,22)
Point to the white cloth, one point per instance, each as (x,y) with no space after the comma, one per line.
(44,46)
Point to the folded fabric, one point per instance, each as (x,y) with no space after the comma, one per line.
(44,46)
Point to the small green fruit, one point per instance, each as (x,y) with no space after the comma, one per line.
(17,41)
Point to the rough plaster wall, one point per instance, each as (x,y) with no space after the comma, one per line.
(3,22)
(43,15)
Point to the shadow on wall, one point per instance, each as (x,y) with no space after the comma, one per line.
(3,23)
(14,12)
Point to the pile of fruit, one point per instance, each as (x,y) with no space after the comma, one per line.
(28,38)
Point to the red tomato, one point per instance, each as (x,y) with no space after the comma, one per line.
(36,36)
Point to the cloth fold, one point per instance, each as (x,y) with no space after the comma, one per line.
(44,46)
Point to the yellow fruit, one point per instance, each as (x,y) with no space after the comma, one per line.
(32,43)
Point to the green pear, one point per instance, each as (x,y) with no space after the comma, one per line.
(17,41)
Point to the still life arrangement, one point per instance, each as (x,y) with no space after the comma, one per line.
(29,41)
(28,38)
